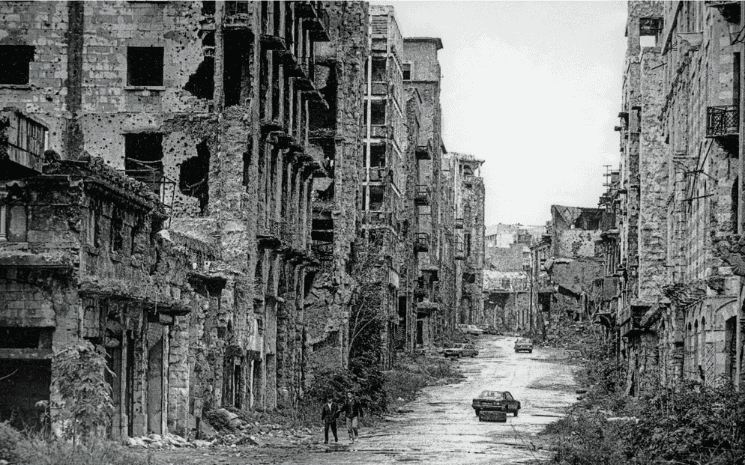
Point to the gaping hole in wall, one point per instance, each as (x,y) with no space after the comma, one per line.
(24,382)
(406,68)
(15,61)
(326,83)
(143,158)
(145,66)
(202,83)
(194,176)
(238,46)
(246,168)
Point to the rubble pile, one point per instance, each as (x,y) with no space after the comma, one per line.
(222,427)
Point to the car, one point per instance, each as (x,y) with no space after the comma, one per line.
(470,329)
(501,401)
(460,350)
(524,344)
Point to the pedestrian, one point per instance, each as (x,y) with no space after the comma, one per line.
(352,411)
(328,416)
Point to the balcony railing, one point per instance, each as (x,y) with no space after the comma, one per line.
(380,131)
(421,242)
(319,26)
(421,197)
(324,251)
(459,223)
(379,88)
(379,173)
(722,121)
(459,251)
(423,152)
(23,146)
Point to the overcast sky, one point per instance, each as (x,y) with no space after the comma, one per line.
(534,89)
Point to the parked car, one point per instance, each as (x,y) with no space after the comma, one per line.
(470,329)
(460,350)
(495,401)
(524,344)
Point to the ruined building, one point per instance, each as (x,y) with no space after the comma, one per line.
(192,185)
(220,137)
(563,267)
(434,293)
(673,254)
(467,235)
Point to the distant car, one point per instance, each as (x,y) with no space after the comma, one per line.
(524,344)
(470,329)
(495,401)
(460,350)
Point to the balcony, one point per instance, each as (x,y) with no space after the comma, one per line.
(420,292)
(423,152)
(421,197)
(379,88)
(270,234)
(468,181)
(22,150)
(459,223)
(421,242)
(459,251)
(722,121)
(380,131)
(377,218)
(324,251)
(273,41)
(379,173)
(319,26)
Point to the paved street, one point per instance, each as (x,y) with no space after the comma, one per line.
(442,427)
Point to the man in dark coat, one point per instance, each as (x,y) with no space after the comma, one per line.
(328,416)
(352,409)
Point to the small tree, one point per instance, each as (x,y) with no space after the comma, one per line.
(86,395)
(367,313)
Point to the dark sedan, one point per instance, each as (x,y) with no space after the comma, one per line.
(496,400)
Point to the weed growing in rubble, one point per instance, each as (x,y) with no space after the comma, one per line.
(688,425)
(80,380)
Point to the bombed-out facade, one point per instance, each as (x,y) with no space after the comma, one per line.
(189,185)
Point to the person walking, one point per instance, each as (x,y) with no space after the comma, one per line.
(329,412)
(352,411)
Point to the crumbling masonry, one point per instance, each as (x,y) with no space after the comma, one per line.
(184,183)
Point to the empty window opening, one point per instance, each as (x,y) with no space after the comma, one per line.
(143,158)
(239,7)
(13,223)
(208,8)
(117,226)
(376,198)
(236,76)
(15,61)
(276,16)
(246,167)
(377,112)
(736,79)
(406,71)
(378,69)
(377,155)
(145,66)
(134,234)
(276,85)
(194,176)
(735,196)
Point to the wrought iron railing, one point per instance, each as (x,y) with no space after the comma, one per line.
(422,195)
(421,242)
(722,121)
